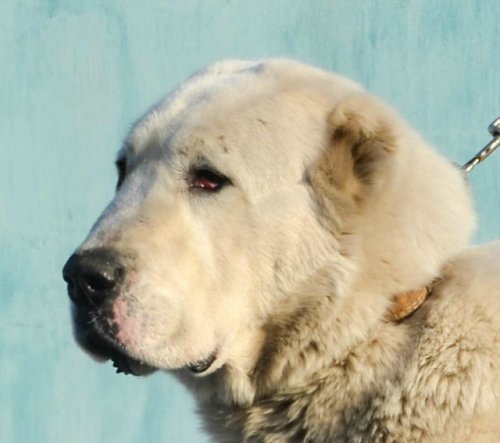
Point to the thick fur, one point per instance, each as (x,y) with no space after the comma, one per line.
(335,206)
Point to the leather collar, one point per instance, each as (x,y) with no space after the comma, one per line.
(406,303)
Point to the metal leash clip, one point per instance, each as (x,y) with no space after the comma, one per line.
(494,129)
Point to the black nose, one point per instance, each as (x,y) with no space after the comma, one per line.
(93,276)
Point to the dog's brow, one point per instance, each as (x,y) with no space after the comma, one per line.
(202,162)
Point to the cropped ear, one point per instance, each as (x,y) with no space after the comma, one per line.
(360,155)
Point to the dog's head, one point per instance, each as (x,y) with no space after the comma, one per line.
(244,183)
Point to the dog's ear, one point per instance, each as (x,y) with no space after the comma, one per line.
(358,159)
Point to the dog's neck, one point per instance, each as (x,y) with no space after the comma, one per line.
(311,340)
(309,336)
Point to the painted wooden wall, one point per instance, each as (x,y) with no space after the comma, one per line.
(74,74)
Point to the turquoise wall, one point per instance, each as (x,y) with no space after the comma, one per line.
(75,73)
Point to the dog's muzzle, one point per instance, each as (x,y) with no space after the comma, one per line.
(95,278)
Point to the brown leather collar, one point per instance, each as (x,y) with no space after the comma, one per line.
(405,304)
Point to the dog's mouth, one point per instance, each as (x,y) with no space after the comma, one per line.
(99,342)
(128,365)
(124,364)
(104,349)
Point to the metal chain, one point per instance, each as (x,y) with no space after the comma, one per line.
(494,129)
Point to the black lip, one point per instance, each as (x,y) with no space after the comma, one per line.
(128,365)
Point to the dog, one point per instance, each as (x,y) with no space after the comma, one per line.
(298,256)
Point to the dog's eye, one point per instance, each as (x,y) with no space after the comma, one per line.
(121,167)
(207,180)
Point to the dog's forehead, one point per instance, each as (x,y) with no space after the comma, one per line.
(159,121)
(234,102)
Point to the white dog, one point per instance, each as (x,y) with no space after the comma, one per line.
(299,254)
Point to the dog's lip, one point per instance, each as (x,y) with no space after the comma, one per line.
(99,342)
(128,365)
(203,365)
(124,364)
(102,350)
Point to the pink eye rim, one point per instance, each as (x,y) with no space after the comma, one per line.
(206,179)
